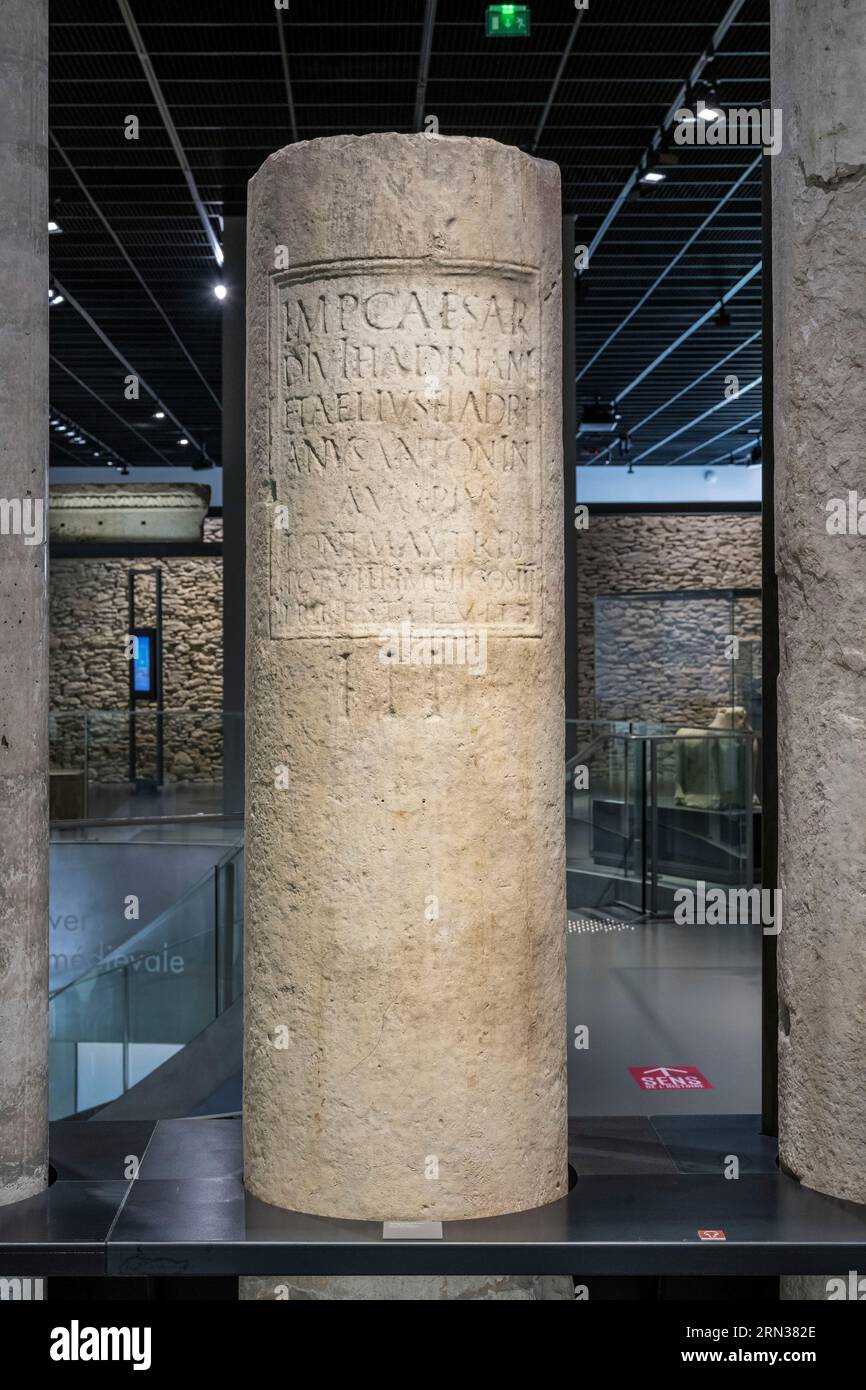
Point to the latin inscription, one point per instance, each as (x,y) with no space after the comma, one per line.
(405,449)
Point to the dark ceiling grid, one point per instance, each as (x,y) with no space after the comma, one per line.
(356,68)
(644,242)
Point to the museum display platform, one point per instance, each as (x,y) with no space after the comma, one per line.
(645,1191)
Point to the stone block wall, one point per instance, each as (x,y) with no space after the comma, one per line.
(666,661)
(89,670)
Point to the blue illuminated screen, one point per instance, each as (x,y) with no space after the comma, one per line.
(142,662)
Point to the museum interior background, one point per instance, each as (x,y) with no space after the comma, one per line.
(158,118)
(665,572)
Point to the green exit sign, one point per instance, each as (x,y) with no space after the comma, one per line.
(507,21)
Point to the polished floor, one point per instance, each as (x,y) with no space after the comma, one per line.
(655,994)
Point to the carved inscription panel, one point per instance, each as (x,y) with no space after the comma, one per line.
(405,449)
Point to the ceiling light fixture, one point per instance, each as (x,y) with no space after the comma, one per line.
(600,417)
(159,415)
(710,110)
(706,101)
(54,227)
(220,291)
(183,441)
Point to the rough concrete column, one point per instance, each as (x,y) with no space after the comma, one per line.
(819,290)
(405,1012)
(23,611)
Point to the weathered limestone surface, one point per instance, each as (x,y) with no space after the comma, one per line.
(128,512)
(819,288)
(405,1013)
(407,1288)
(23,616)
(803,1288)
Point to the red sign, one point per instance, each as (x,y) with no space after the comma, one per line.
(711,1235)
(670,1079)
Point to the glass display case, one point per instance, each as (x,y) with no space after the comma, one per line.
(685,659)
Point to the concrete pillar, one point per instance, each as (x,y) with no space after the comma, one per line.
(234,504)
(405,1007)
(819,293)
(23,610)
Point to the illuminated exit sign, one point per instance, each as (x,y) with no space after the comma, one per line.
(507,21)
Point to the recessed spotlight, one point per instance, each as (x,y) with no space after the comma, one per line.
(53,227)
(159,415)
(710,476)
(653,176)
(183,441)
(58,299)
(220,291)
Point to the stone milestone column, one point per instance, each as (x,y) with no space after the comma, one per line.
(405,1015)
(819,291)
(23,611)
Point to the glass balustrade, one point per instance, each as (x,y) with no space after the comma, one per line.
(648,810)
(121,763)
(119,1020)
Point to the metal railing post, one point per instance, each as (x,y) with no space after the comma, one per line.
(654,832)
(85,807)
(125,1029)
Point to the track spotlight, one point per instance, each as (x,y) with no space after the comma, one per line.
(707,107)
(653,176)
(601,417)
